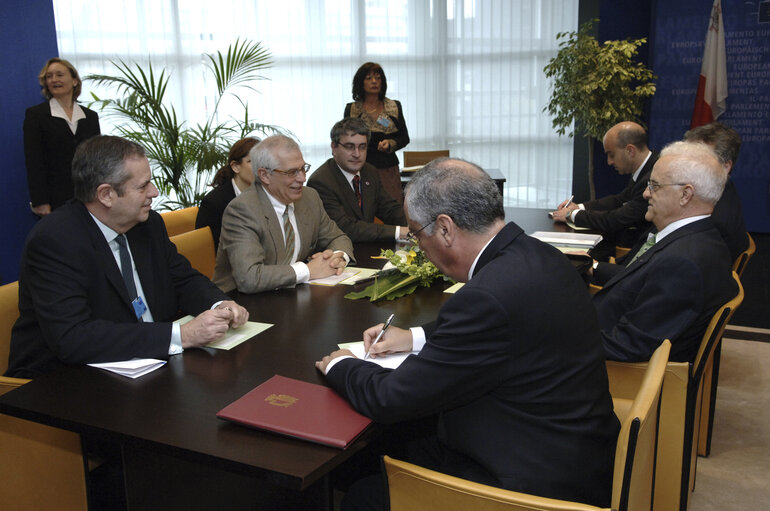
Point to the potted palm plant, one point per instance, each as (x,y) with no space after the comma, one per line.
(183,157)
(596,86)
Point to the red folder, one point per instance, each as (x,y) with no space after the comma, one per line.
(298,409)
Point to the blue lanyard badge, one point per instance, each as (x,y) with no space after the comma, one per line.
(384,122)
(139,307)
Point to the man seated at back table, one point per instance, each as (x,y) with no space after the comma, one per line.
(671,284)
(276,233)
(728,214)
(619,217)
(351,190)
(101,282)
(512,368)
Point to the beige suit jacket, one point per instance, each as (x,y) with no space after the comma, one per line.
(251,245)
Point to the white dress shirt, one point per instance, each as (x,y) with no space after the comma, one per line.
(175,344)
(58,111)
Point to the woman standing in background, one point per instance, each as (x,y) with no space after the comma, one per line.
(229,182)
(385,120)
(52,131)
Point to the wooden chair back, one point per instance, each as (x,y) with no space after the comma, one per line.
(636,453)
(198,247)
(414,158)
(743,259)
(707,363)
(9,313)
(414,488)
(180,220)
(40,467)
(411,487)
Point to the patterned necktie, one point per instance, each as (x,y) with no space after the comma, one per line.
(125,266)
(357,188)
(644,248)
(289,233)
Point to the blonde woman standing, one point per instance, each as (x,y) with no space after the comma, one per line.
(52,131)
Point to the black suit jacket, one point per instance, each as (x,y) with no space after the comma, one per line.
(341,204)
(213,207)
(515,369)
(620,217)
(49,147)
(669,292)
(728,217)
(73,303)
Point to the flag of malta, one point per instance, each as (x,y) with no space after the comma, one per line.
(712,86)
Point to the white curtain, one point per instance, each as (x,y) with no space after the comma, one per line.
(469,74)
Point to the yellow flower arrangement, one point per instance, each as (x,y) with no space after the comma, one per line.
(402,274)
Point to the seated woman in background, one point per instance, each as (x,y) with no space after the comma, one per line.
(385,120)
(228,183)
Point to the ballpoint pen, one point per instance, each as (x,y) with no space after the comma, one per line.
(379,336)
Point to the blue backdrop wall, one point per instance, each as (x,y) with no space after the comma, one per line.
(28,35)
(678,36)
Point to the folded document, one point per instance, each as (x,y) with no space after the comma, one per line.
(133,368)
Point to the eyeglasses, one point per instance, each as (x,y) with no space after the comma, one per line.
(653,187)
(412,236)
(350,147)
(292,173)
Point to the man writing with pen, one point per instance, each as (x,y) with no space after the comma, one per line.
(277,234)
(619,217)
(503,390)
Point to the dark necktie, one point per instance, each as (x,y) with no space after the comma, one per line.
(644,248)
(289,233)
(125,266)
(357,188)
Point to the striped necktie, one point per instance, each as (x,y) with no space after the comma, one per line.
(644,248)
(357,188)
(289,233)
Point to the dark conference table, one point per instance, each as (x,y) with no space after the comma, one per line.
(176,453)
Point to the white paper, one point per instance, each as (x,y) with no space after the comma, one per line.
(234,336)
(572,226)
(568,238)
(133,368)
(391,361)
(361,274)
(333,280)
(454,288)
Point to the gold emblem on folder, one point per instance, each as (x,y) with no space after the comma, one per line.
(281,400)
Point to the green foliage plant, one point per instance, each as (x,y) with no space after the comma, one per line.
(596,85)
(184,157)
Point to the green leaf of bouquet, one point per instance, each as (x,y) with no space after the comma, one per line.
(384,286)
(402,291)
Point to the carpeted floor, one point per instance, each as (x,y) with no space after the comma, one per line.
(737,474)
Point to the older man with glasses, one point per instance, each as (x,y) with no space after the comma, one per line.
(277,233)
(351,190)
(509,387)
(670,284)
